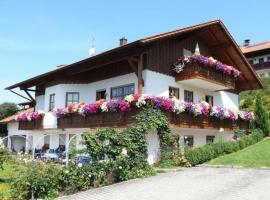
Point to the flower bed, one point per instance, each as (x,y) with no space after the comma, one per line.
(132,102)
(208,62)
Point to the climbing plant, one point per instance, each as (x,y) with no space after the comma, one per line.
(127,151)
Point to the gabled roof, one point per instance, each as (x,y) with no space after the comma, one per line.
(137,46)
(12,117)
(256,47)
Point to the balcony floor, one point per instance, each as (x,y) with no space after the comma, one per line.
(203,84)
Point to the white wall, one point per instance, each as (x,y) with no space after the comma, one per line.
(153,147)
(87,91)
(158,84)
(226,99)
(199,135)
(155,83)
(40,103)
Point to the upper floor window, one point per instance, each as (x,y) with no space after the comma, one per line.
(251,62)
(268,58)
(122,91)
(72,98)
(261,60)
(100,94)
(188,96)
(174,92)
(52,102)
(209,99)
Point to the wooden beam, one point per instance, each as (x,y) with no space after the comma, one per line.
(221,47)
(29,95)
(140,74)
(133,65)
(20,95)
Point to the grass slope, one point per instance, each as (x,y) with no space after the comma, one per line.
(257,155)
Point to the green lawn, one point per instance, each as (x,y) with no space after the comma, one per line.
(257,155)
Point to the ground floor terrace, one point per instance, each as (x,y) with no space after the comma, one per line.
(58,143)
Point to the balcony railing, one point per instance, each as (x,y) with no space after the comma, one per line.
(32,125)
(119,120)
(122,120)
(195,71)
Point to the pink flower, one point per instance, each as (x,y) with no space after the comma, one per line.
(124,106)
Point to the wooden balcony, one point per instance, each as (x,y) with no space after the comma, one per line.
(121,120)
(206,78)
(33,125)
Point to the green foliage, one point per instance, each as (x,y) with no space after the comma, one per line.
(44,180)
(4,155)
(261,120)
(121,156)
(210,151)
(256,155)
(6,109)
(247,98)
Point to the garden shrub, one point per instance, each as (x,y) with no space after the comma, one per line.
(44,180)
(262,120)
(210,151)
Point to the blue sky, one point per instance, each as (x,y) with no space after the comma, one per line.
(36,36)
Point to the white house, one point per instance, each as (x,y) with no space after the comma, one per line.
(144,67)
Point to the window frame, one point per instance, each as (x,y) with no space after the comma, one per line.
(191,92)
(73,93)
(51,102)
(101,90)
(122,86)
(178,92)
(186,138)
(211,137)
(212,97)
(261,60)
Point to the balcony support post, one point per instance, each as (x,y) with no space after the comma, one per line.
(140,74)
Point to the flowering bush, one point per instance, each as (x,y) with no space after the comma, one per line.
(208,62)
(29,116)
(157,102)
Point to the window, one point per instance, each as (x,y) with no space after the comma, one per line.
(122,91)
(72,98)
(174,92)
(209,99)
(101,94)
(52,102)
(268,58)
(251,62)
(210,139)
(188,96)
(261,60)
(188,139)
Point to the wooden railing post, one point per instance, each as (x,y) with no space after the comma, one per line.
(140,74)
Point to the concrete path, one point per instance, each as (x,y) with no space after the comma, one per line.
(202,183)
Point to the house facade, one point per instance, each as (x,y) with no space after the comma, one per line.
(258,56)
(144,67)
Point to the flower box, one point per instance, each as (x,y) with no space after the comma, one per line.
(30,125)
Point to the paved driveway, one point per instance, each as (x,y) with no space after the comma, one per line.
(190,184)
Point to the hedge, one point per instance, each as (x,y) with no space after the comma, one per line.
(208,152)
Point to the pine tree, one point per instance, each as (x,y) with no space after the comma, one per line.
(261,120)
